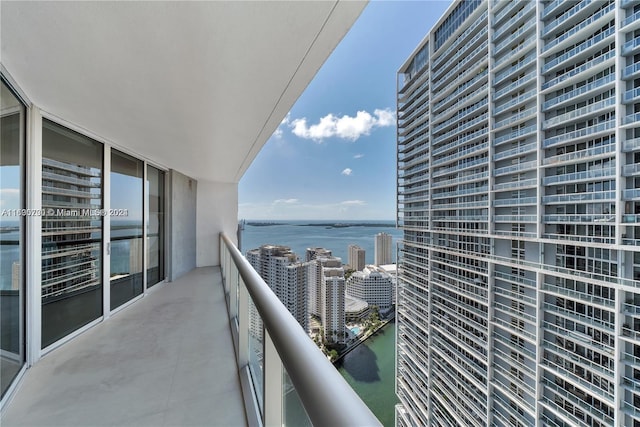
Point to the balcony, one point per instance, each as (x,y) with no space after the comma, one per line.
(180,356)
(152,363)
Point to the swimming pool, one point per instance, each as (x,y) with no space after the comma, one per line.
(355,330)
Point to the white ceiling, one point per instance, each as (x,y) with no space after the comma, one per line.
(194,86)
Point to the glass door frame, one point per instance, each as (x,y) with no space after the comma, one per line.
(24,297)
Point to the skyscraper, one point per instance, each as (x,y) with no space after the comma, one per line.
(280,269)
(356,257)
(332,303)
(314,278)
(519,198)
(383,249)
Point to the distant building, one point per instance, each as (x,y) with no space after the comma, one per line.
(286,276)
(356,259)
(313,253)
(372,285)
(314,278)
(383,249)
(332,303)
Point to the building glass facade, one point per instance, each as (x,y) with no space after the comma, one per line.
(518,194)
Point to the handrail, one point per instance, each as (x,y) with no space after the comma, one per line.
(325,395)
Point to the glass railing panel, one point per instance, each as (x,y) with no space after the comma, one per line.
(631,194)
(632,169)
(293,413)
(256,351)
(632,118)
(631,70)
(590,152)
(580,197)
(631,18)
(629,46)
(631,95)
(580,176)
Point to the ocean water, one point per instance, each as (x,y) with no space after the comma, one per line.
(300,235)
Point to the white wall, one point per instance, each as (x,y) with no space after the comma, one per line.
(217,211)
(182,220)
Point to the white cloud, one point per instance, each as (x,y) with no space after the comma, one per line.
(353,203)
(358,156)
(346,172)
(285,201)
(345,127)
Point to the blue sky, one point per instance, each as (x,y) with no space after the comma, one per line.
(334,156)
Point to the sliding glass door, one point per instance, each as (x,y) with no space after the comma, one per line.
(126,228)
(155,226)
(71,231)
(12,302)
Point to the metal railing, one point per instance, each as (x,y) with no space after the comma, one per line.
(325,396)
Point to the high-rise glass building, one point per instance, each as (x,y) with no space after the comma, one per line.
(519,197)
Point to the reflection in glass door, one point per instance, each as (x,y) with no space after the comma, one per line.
(12,125)
(126,228)
(71,231)
(155,226)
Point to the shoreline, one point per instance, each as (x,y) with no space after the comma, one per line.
(363,338)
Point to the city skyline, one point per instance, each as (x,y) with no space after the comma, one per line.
(340,128)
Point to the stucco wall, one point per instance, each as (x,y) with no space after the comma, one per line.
(217,211)
(182,224)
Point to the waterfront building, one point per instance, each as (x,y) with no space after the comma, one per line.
(315,278)
(519,199)
(373,285)
(314,275)
(357,258)
(383,249)
(286,276)
(150,111)
(332,303)
(355,309)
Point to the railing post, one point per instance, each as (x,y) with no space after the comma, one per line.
(273,385)
(243,323)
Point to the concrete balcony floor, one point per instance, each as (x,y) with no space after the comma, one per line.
(167,360)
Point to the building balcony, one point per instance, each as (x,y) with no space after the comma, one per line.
(154,363)
(589,44)
(593,64)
